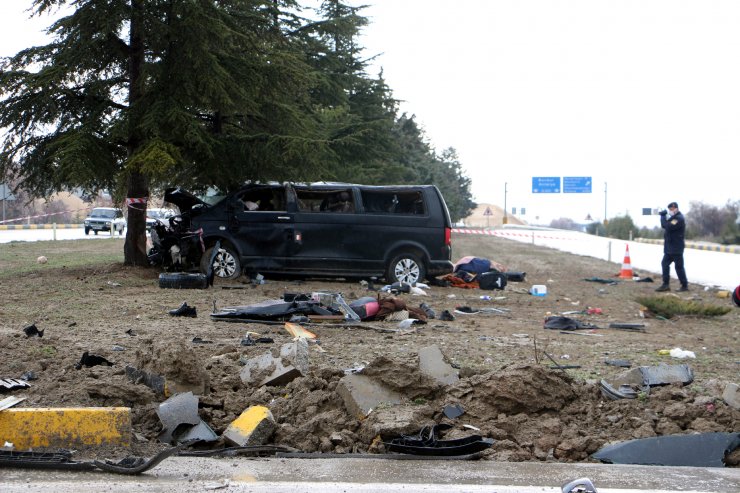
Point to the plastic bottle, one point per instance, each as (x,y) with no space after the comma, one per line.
(485,297)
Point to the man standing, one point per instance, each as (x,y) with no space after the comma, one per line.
(672,221)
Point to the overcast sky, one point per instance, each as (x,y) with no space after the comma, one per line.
(642,96)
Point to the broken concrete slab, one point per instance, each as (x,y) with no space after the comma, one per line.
(731,395)
(361,394)
(433,365)
(269,370)
(254,426)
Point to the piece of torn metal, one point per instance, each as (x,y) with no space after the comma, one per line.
(11,401)
(177,411)
(42,460)
(698,450)
(198,433)
(13,384)
(453,411)
(426,443)
(628,384)
(580,485)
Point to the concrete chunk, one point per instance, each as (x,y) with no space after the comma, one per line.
(269,370)
(433,365)
(253,427)
(731,395)
(362,394)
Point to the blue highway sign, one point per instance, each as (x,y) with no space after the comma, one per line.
(545,184)
(577,184)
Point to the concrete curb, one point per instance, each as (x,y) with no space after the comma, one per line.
(68,428)
(696,246)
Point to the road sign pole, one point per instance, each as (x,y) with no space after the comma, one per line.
(506,219)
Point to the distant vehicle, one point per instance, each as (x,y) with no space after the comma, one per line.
(155,214)
(105,218)
(401,233)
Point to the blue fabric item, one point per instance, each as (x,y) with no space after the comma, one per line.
(476,266)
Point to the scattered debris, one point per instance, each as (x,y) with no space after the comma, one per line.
(453,411)
(13,384)
(629,384)
(11,401)
(621,363)
(557,322)
(184,310)
(581,485)
(90,360)
(697,450)
(427,443)
(32,330)
(178,410)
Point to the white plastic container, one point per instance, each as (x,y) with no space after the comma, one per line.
(538,290)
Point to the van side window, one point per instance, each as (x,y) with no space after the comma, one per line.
(263,199)
(325,200)
(393,202)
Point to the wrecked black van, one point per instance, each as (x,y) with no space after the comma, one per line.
(400,233)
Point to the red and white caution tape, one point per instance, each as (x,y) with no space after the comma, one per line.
(41,215)
(496,232)
(134,202)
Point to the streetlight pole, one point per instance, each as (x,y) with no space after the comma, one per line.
(506,219)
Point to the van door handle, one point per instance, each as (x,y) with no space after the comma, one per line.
(284,217)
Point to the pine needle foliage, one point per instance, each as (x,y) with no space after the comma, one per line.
(671,306)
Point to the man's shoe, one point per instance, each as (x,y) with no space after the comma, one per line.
(184,311)
(683,289)
(663,287)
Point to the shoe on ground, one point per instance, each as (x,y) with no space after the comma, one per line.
(184,311)
(663,287)
(447,316)
(683,289)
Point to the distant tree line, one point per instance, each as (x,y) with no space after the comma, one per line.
(133,96)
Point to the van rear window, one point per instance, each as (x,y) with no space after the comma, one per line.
(393,202)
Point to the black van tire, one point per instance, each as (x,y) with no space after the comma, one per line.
(226,264)
(182,280)
(405,267)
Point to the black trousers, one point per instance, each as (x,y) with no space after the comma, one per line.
(676,259)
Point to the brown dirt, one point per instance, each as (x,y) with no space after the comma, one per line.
(507,387)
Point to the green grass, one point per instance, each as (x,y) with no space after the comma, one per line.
(17,258)
(670,306)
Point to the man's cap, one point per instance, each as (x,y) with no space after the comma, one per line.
(672,205)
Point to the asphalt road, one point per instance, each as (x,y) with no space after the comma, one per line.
(186,474)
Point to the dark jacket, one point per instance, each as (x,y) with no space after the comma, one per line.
(675,229)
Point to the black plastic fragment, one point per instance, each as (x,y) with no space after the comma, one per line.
(32,330)
(90,360)
(699,450)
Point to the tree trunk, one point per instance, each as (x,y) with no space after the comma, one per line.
(134,249)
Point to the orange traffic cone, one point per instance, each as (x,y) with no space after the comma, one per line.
(626,272)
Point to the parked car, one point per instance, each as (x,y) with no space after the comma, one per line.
(103,218)
(157,214)
(401,233)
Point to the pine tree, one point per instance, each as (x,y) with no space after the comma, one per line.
(137,94)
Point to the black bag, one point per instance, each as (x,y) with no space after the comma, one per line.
(492,280)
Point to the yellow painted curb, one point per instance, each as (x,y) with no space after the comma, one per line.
(252,427)
(70,427)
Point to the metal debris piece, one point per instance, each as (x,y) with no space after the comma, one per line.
(180,409)
(11,401)
(13,383)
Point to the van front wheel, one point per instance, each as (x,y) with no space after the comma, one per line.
(226,264)
(405,268)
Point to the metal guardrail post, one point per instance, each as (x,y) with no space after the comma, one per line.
(54,229)
(609,252)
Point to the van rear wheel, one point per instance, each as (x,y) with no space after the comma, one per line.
(226,264)
(405,267)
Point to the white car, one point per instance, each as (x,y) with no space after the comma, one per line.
(105,218)
(154,214)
